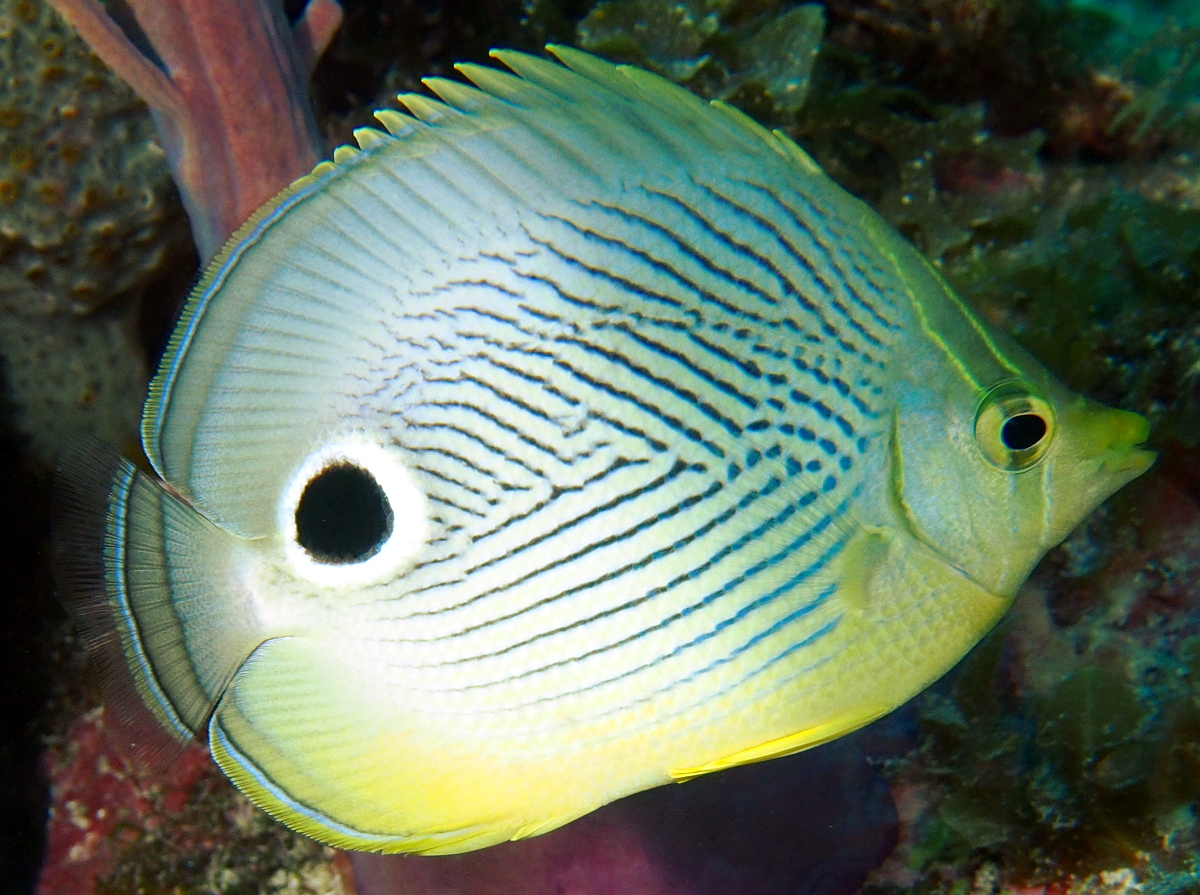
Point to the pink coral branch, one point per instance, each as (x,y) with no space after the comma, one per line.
(109,42)
(232,105)
(315,29)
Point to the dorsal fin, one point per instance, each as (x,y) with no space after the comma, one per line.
(321,269)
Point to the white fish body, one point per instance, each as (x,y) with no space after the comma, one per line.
(679,449)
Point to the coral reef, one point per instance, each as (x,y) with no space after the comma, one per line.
(88,218)
(84,198)
(113,830)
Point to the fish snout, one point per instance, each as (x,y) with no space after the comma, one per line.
(1122,456)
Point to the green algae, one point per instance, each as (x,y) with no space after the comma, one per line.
(759,57)
(1089,714)
(1168,64)
(776,62)
(669,38)
(1126,25)
(935,172)
(1080,778)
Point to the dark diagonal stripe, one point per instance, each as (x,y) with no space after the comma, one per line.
(704,373)
(473,438)
(623,427)
(639,291)
(747,367)
(454,457)
(657,264)
(643,372)
(766,599)
(673,422)
(742,578)
(501,394)
(557,492)
(685,249)
(678,469)
(458,483)
(506,426)
(446,502)
(687,503)
(790,287)
(828,251)
(852,249)
(798,256)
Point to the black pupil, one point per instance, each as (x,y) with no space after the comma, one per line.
(343,515)
(1023,432)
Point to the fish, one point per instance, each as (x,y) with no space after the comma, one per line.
(568,437)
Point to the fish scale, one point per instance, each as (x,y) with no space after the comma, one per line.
(573,437)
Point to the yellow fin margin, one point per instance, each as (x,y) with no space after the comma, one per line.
(369,136)
(795,742)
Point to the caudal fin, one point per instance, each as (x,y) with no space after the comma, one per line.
(152,587)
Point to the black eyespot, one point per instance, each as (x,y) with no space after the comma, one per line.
(1023,431)
(343,515)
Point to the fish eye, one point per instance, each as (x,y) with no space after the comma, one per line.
(353,514)
(343,515)
(1023,431)
(1014,426)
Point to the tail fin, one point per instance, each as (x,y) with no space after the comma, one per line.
(151,586)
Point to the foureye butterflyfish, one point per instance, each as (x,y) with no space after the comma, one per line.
(571,437)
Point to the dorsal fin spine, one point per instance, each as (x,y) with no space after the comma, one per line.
(369,137)
(395,123)
(423,108)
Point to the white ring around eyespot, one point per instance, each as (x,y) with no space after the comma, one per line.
(410,518)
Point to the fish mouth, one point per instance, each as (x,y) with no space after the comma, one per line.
(1125,457)
(1133,463)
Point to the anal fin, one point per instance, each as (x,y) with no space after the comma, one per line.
(777,748)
